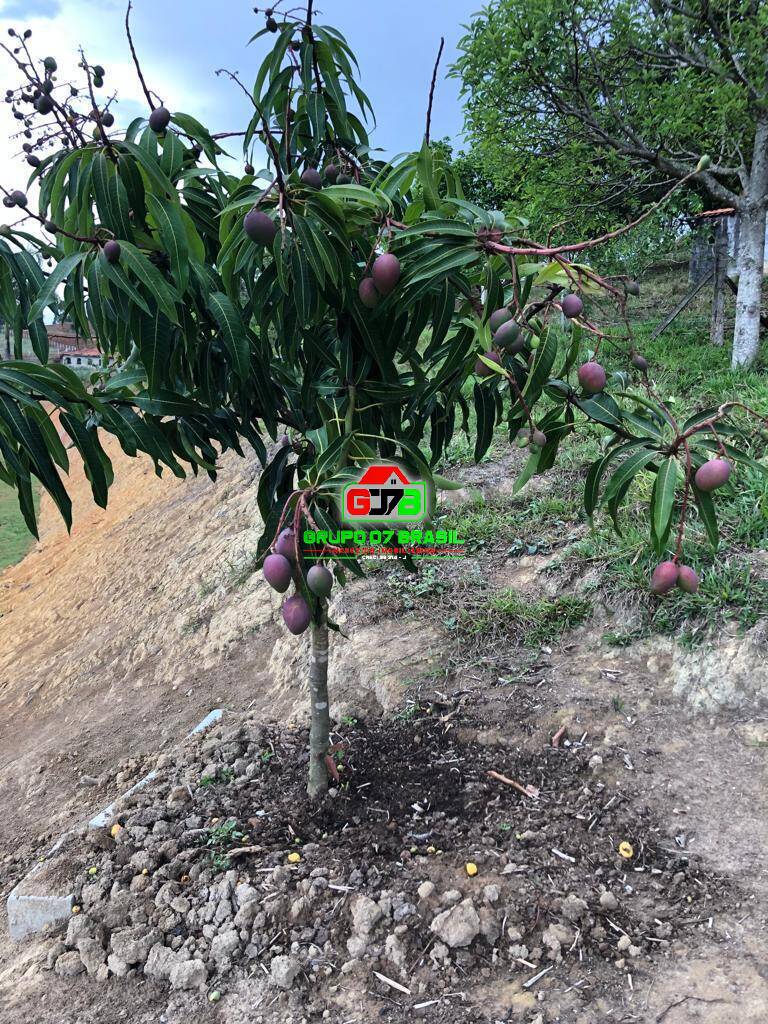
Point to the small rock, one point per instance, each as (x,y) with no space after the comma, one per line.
(223,946)
(624,943)
(118,967)
(491,893)
(92,954)
(160,961)
(608,901)
(283,971)
(54,953)
(365,914)
(188,974)
(426,890)
(133,944)
(86,781)
(69,964)
(457,926)
(574,908)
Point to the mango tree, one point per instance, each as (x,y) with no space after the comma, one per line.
(330,311)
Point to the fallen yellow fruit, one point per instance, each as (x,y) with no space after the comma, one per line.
(431,849)
(294,858)
(471,869)
(626,850)
(75,909)
(116,828)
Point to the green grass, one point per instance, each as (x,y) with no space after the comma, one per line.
(15,538)
(532,623)
(521,522)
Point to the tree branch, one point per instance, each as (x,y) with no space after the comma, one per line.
(432,89)
(135,58)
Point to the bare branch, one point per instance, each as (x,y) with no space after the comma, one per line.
(135,58)
(432,89)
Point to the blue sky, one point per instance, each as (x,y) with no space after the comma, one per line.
(181,44)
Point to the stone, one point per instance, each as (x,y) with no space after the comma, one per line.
(608,901)
(223,946)
(491,893)
(133,944)
(246,914)
(118,967)
(395,951)
(160,961)
(365,914)
(54,953)
(624,943)
(92,954)
(188,974)
(426,890)
(80,927)
(69,964)
(574,909)
(283,971)
(555,937)
(458,925)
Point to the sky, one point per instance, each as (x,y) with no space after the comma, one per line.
(181,43)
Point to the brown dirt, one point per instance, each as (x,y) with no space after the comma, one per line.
(114,641)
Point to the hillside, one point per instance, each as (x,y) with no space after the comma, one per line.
(116,640)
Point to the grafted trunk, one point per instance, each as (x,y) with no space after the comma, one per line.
(746,334)
(717,325)
(320,719)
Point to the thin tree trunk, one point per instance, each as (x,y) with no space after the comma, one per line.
(746,334)
(320,718)
(7,341)
(717,326)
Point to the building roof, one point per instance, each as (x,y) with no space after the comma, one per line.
(380,475)
(81,352)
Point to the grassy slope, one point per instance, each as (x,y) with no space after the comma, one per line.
(15,539)
(689,374)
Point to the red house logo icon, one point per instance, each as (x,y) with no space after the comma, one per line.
(384,492)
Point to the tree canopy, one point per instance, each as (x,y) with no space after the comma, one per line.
(351,308)
(597,106)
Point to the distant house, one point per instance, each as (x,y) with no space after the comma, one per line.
(64,338)
(81,357)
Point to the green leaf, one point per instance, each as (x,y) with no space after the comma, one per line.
(708,516)
(167,216)
(153,340)
(234,334)
(485,409)
(151,278)
(60,273)
(662,501)
(627,471)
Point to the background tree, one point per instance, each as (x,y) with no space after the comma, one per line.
(619,96)
(331,296)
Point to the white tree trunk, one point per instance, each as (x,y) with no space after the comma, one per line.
(752,209)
